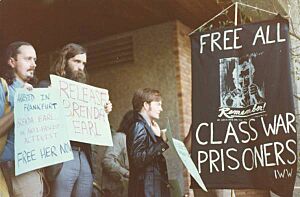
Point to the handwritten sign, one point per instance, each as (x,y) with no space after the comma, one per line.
(41,137)
(184,155)
(188,162)
(84,109)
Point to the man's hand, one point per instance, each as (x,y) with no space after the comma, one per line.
(126,175)
(253,89)
(155,128)
(245,91)
(108,107)
(28,86)
(163,134)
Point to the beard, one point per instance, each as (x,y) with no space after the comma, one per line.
(79,75)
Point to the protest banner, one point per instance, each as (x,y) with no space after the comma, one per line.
(243,119)
(84,107)
(41,137)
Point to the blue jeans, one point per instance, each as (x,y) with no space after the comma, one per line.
(75,178)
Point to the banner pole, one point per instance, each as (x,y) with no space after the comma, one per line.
(236,13)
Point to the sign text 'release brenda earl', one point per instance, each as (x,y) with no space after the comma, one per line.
(84,107)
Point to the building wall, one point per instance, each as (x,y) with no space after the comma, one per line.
(161,60)
(184,85)
(294,6)
(184,77)
(155,65)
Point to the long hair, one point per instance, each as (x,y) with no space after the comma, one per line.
(126,122)
(60,63)
(12,50)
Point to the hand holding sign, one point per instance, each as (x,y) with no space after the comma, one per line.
(28,86)
(86,108)
(108,107)
(40,133)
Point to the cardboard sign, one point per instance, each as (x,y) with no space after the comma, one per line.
(84,107)
(41,137)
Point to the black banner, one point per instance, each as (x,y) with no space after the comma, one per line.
(244,133)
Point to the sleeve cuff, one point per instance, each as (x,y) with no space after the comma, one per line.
(163,147)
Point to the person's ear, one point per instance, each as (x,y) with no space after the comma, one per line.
(146,106)
(11,62)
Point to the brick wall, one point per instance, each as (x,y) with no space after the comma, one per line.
(153,66)
(183,77)
(184,84)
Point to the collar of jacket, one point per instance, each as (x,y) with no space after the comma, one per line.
(147,126)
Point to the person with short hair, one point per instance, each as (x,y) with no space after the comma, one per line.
(115,163)
(145,141)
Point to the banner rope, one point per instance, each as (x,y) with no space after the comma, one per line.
(236,13)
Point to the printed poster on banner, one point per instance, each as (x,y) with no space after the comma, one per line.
(243,116)
(41,137)
(87,120)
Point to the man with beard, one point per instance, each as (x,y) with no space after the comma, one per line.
(73,178)
(18,71)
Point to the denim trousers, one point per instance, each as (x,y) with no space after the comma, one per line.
(75,178)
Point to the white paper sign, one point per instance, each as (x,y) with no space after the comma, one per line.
(185,157)
(188,162)
(41,137)
(84,107)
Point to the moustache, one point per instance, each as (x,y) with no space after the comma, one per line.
(31,69)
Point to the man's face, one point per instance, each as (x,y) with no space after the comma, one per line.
(78,62)
(24,63)
(153,110)
(75,68)
(244,78)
